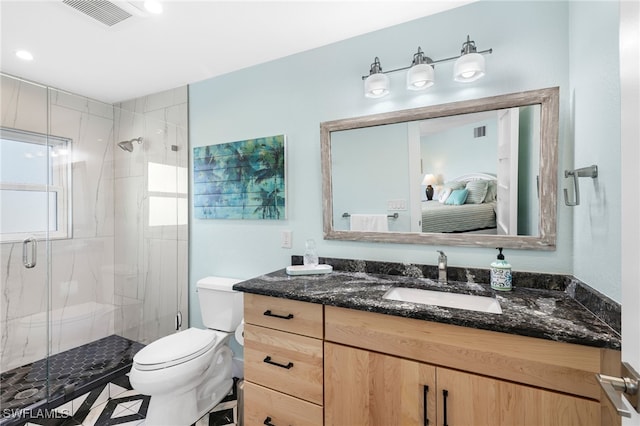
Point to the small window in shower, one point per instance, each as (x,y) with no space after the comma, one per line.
(167,186)
(35,180)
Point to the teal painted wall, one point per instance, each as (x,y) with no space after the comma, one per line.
(295,94)
(595,123)
(455,152)
(370,167)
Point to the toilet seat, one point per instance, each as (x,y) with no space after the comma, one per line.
(175,349)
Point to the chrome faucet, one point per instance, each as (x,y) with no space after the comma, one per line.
(442,267)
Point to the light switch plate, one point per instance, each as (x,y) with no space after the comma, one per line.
(285,239)
(398,204)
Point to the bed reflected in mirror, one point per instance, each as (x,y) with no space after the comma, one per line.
(466,204)
(472,173)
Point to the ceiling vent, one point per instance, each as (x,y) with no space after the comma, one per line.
(103,11)
(479,132)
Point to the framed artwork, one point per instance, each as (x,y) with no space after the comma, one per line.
(240,180)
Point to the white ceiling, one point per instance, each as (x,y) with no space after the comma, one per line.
(191,41)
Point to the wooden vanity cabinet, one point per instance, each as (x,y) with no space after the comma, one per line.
(376,367)
(369,388)
(308,364)
(283,361)
(477,400)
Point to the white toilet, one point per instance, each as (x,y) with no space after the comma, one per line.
(189,372)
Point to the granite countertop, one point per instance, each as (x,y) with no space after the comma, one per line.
(541,313)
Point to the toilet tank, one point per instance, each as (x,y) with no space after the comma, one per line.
(221,307)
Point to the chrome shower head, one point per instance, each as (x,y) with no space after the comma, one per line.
(128,145)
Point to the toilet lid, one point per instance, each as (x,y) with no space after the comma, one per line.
(175,349)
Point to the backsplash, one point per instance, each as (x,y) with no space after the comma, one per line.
(605,309)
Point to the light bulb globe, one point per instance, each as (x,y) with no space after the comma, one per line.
(420,77)
(469,67)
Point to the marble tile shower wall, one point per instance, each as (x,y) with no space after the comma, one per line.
(118,274)
(151,253)
(81,274)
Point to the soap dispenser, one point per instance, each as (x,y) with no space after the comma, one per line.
(501,273)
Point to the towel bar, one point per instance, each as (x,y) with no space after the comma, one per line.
(390,216)
(591,171)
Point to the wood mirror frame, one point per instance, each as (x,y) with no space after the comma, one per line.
(547,99)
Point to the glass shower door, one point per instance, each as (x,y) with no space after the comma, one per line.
(151,236)
(29,214)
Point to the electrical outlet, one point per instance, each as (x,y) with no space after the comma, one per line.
(285,239)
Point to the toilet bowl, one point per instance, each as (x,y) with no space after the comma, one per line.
(189,372)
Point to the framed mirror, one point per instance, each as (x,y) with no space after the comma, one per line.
(476,173)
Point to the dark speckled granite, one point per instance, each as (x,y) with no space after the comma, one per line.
(600,305)
(536,312)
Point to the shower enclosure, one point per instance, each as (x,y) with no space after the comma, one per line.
(93,238)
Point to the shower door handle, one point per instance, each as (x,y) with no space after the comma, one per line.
(30,241)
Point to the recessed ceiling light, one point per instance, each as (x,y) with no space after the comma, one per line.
(153,6)
(24,55)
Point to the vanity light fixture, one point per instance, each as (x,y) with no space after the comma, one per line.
(376,85)
(420,76)
(469,66)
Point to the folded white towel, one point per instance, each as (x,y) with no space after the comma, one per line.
(370,222)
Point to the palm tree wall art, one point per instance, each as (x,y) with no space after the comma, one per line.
(240,180)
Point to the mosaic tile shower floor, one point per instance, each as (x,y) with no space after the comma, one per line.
(70,373)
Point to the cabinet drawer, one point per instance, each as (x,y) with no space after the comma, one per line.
(286,362)
(283,314)
(282,410)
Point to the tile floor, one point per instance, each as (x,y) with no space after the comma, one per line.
(96,372)
(117,404)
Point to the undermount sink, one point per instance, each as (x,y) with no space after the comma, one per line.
(439,298)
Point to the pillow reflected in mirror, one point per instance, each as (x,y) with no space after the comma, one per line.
(444,194)
(492,191)
(457,197)
(477,191)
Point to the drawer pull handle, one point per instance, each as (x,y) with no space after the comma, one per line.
(445,394)
(267,422)
(425,392)
(270,314)
(268,361)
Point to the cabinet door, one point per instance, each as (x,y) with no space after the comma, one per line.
(368,388)
(477,400)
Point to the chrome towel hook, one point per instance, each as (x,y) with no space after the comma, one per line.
(591,171)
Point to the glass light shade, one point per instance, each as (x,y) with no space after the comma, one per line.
(469,67)
(420,77)
(376,85)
